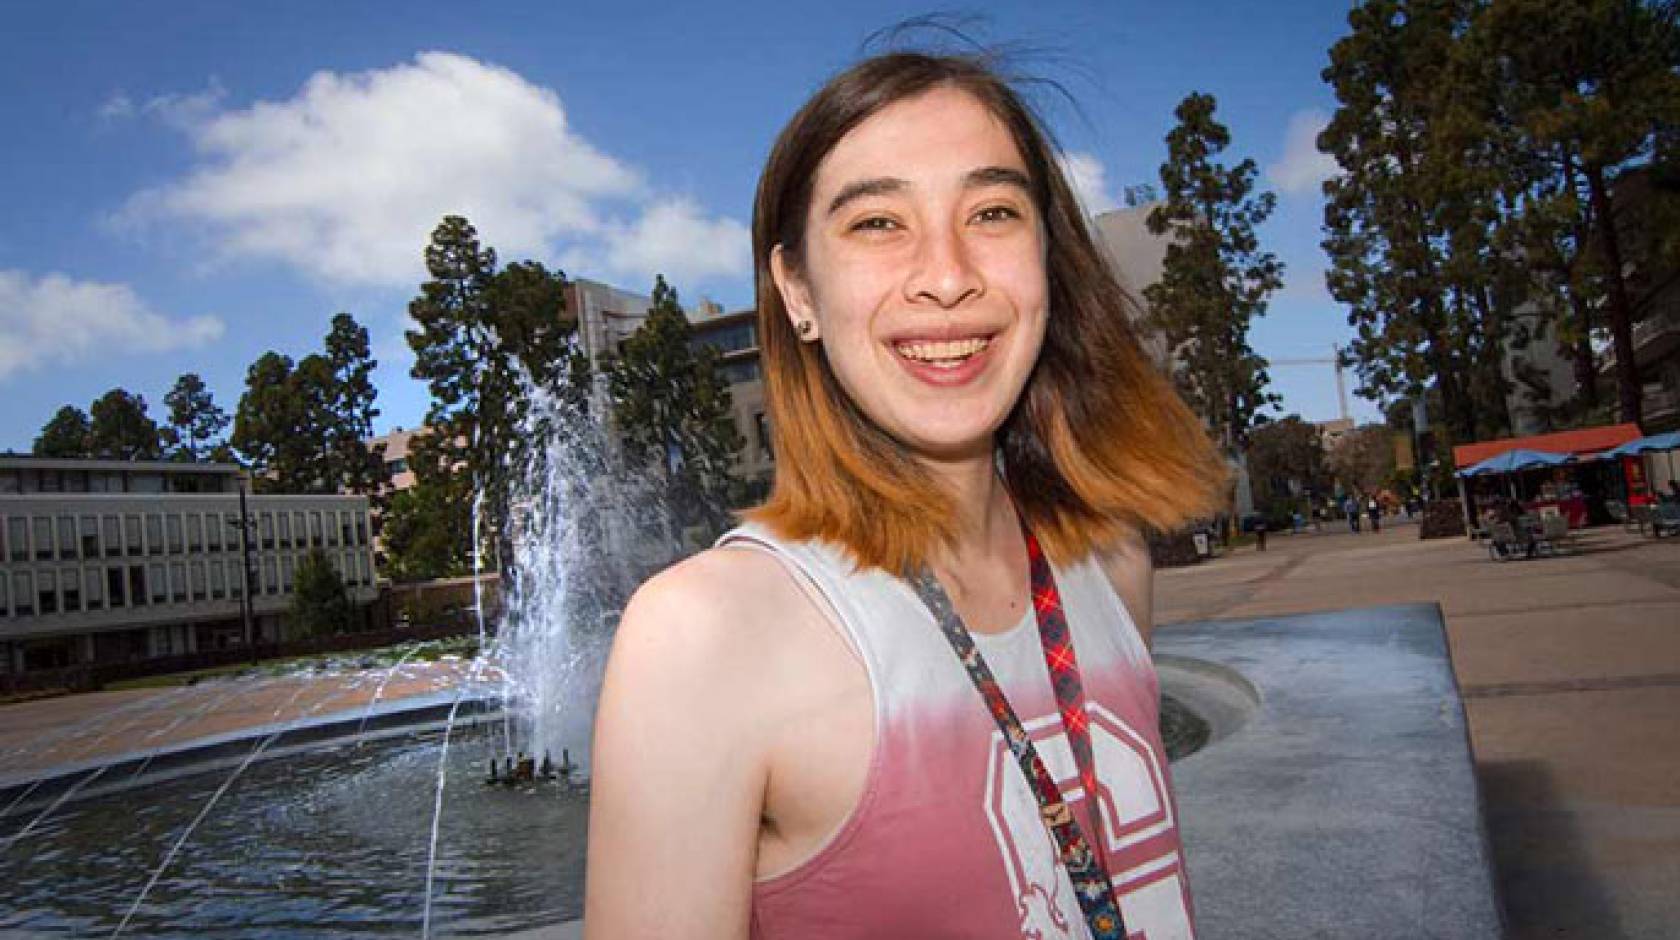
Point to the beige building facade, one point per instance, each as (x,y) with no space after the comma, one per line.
(116,561)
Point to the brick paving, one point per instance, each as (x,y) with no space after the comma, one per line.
(1570,672)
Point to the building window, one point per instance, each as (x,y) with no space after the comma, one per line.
(315,529)
(67,537)
(195,533)
(43,538)
(17,538)
(178,582)
(95,583)
(145,483)
(90,536)
(154,534)
(332,530)
(198,581)
(218,581)
(265,525)
(47,596)
(286,570)
(173,524)
(113,536)
(213,527)
(114,586)
(75,481)
(285,530)
(137,585)
(236,581)
(71,581)
(361,529)
(5,606)
(271,575)
(51,483)
(761,425)
(131,534)
(159,577)
(23,594)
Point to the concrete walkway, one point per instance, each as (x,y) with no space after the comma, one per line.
(1570,673)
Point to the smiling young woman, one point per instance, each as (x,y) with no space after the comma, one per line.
(840,722)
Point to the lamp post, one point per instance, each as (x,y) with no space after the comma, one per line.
(244,527)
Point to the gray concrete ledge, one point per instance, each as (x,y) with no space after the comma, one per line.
(1346,804)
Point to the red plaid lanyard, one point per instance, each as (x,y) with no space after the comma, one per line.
(1086,867)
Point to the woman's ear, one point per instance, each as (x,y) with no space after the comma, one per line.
(796,297)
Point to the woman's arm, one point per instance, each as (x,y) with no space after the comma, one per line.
(1132,573)
(678,762)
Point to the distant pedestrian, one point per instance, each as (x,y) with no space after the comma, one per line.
(1374,510)
(1350,507)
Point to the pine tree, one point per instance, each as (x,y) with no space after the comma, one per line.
(1590,92)
(1216,279)
(486,341)
(1386,230)
(68,434)
(320,601)
(671,408)
(194,418)
(119,428)
(348,410)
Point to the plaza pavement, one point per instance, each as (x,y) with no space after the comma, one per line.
(1570,673)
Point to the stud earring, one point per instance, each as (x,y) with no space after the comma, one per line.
(805,328)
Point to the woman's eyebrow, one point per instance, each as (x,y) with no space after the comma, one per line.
(857,189)
(998,176)
(885,185)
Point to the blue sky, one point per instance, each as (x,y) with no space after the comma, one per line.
(190,184)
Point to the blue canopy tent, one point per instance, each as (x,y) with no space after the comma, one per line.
(1652,444)
(1512,462)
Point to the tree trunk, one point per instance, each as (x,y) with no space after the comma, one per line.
(1586,368)
(1628,387)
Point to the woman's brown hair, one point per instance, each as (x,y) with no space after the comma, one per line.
(1099,445)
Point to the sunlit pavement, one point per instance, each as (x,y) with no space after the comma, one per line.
(1570,672)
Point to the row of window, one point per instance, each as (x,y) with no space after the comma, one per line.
(47,591)
(69,537)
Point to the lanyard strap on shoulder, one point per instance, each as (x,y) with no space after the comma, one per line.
(1085,866)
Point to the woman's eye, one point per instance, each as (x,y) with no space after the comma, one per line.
(874,223)
(997,214)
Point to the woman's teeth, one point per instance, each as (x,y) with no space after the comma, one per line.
(948,353)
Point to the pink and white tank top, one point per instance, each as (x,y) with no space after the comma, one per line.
(946,840)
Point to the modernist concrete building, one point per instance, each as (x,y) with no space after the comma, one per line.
(113,561)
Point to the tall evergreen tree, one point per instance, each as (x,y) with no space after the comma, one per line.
(1591,90)
(348,409)
(485,341)
(120,429)
(1387,233)
(672,411)
(194,418)
(68,434)
(272,428)
(1216,279)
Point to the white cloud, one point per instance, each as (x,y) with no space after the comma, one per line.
(346,180)
(672,237)
(1303,167)
(57,320)
(180,111)
(1088,178)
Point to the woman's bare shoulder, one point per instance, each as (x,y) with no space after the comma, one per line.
(709,609)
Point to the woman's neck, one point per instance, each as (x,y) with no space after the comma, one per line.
(985,516)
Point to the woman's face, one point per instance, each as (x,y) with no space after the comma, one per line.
(924,272)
